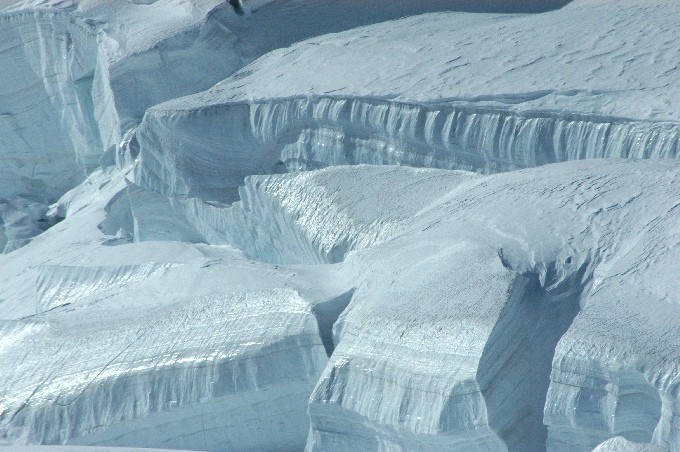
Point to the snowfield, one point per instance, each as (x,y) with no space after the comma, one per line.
(326,226)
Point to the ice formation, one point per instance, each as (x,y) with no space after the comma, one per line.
(436,229)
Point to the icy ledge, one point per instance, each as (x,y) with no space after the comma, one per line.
(174,378)
(207,151)
(462,92)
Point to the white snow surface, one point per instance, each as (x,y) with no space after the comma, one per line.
(266,265)
(620,444)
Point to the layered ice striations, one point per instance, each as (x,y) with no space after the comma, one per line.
(208,151)
(523,352)
(62,285)
(232,371)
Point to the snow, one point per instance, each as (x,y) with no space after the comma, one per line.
(415,229)
(446,90)
(211,350)
(78,75)
(77,449)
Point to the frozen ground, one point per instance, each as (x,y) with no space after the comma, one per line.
(436,229)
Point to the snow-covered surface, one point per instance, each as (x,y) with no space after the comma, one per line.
(483,92)
(243,268)
(620,444)
(78,75)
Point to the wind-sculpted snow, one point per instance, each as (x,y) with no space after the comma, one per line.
(243,271)
(462,92)
(166,379)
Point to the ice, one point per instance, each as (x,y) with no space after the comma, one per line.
(390,226)
(186,152)
(130,380)
(460,92)
(538,272)
(78,75)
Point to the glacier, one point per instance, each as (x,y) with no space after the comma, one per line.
(287,225)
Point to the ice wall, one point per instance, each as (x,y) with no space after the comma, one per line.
(206,152)
(75,80)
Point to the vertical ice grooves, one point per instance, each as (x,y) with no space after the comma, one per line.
(315,132)
(48,133)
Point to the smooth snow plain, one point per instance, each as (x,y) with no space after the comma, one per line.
(419,228)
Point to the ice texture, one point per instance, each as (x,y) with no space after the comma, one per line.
(92,381)
(418,228)
(446,90)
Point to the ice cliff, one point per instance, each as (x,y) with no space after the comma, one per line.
(293,225)
(441,90)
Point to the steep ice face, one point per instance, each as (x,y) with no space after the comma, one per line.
(49,138)
(77,75)
(484,102)
(207,152)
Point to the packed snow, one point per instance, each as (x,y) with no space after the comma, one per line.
(320,225)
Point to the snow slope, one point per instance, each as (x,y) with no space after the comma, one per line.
(181,283)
